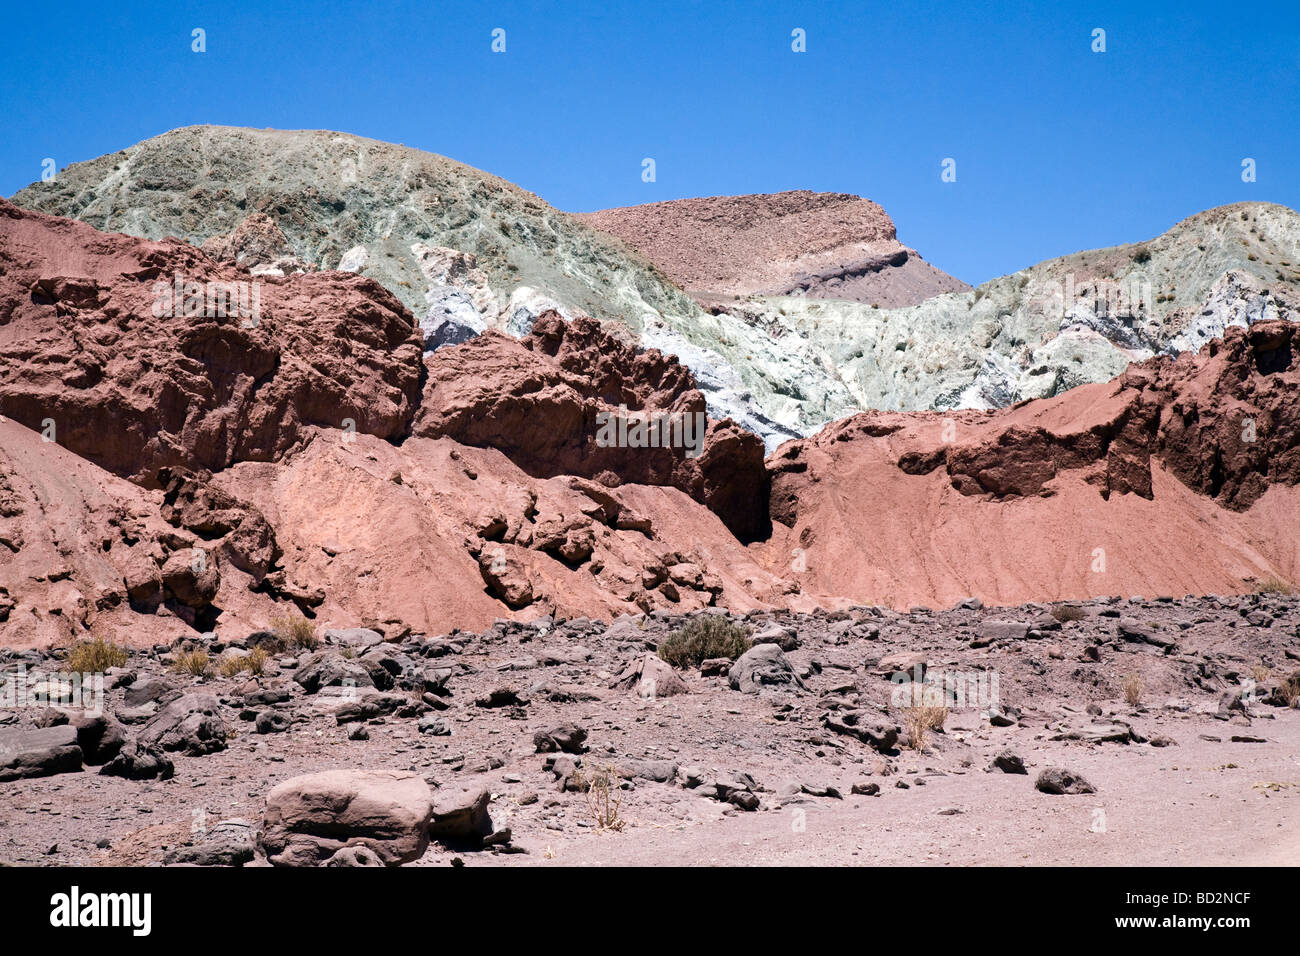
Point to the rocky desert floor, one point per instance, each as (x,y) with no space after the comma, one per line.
(805,751)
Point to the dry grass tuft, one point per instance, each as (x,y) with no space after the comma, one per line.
(1291,689)
(294,630)
(1133,688)
(254,662)
(601,785)
(94,657)
(194,663)
(1275,585)
(1069,612)
(920,720)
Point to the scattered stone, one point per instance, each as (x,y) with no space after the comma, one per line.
(50,717)
(434,726)
(136,762)
(657,771)
(568,738)
(821,790)
(145,691)
(271,722)
(100,738)
(460,818)
(786,638)
(360,855)
(902,666)
(650,677)
(715,666)
(359,639)
(1058,780)
(500,697)
(328,668)
(1008,761)
(39,752)
(191,724)
(869,728)
(1136,633)
(762,667)
(310,818)
(229,843)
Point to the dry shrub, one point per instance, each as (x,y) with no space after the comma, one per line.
(230,665)
(233,664)
(1068,612)
(93,657)
(1133,688)
(920,720)
(1291,689)
(256,660)
(601,786)
(1275,585)
(705,637)
(294,630)
(194,663)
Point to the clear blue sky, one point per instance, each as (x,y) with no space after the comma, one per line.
(1057,148)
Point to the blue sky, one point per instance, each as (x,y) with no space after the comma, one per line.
(1057,148)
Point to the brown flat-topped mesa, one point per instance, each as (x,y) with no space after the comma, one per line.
(820,245)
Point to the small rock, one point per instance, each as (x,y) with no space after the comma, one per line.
(1058,780)
(1008,761)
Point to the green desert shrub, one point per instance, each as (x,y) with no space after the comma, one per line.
(705,637)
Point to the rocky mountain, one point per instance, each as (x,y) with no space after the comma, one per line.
(254,440)
(801,243)
(345,202)
(1066,322)
(175,464)
(464,250)
(468,252)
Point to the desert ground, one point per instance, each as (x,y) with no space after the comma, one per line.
(812,758)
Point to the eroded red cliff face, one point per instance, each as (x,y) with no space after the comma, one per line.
(95,342)
(482,482)
(548,402)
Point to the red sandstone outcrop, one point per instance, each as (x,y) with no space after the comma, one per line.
(1225,422)
(96,345)
(476,483)
(551,403)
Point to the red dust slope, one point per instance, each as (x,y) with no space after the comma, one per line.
(1178,477)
